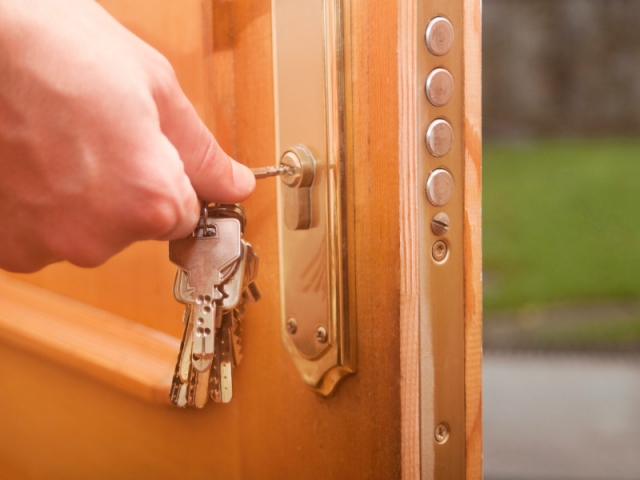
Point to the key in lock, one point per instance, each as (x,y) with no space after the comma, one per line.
(297,168)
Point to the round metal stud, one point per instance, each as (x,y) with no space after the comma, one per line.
(439,138)
(439,187)
(439,87)
(439,36)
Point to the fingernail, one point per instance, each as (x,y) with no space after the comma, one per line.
(243,178)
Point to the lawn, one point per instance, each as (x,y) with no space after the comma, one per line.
(562,226)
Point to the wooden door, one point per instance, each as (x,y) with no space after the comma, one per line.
(86,356)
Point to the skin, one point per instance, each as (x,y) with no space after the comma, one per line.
(99,147)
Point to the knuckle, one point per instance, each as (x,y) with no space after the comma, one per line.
(88,259)
(164,75)
(83,252)
(160,213)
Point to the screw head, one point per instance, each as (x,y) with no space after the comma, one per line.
(439,251)
(321,334)
(440,224)
(292,325)
(441,433)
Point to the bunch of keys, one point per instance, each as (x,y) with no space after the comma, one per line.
(215,278)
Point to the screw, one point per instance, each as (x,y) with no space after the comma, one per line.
(440,224)
(441,433)
(321,334)
(292,325)
(439,251)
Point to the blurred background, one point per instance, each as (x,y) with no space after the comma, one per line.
(561,208)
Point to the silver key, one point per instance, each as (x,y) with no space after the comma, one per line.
(198,376)
(251,293)
(222,386)
(207,259)
(272,171)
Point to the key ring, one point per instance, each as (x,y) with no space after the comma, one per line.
(204,216)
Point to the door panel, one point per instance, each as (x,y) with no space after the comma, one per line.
(68,424)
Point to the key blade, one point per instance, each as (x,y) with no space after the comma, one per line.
(201,393)
(179,384)
(204,331)
(272,171)
(222,387)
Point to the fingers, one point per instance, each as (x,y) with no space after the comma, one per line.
(214,175)
(171,208)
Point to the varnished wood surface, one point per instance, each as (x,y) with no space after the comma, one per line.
(275,427)
(355,433)
(473,234)
(410,292)
(124,354)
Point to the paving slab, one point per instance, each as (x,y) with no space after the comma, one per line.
(561,417)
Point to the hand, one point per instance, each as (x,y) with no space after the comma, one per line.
(99,147)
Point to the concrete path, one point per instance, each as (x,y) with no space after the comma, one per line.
(561,417)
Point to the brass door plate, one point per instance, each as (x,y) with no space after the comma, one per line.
(440,162)
(309,104)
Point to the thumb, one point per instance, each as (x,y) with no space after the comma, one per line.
(215,176)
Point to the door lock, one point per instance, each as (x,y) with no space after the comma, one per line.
(297,197)
(297,169)
(317,324)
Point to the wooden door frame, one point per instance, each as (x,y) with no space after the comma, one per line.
(410,191)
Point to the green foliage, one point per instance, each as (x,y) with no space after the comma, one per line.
(561,222)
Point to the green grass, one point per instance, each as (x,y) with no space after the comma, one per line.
(561,223)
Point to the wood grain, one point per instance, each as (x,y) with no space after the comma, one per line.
(275,427)
(121,353)
(409,247)
(336,437)
(472,18)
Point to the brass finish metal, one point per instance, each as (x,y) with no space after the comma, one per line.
(439,138)
(310,110)
(439,36)
(442,316)
(439,87)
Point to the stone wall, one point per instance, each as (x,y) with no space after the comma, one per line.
(561,67)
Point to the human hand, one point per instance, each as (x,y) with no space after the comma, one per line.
(99,147)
